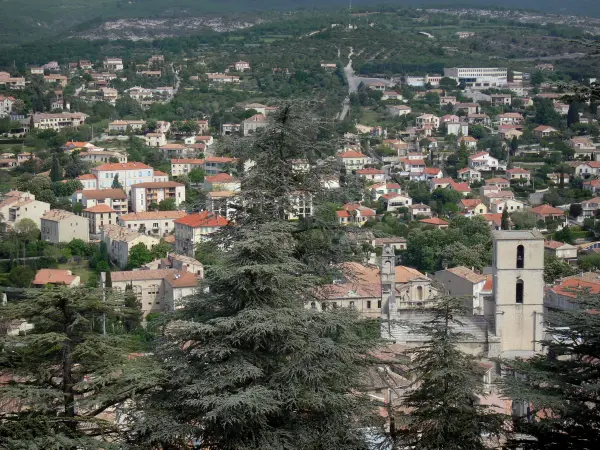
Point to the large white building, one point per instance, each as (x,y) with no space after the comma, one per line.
(58,121)
(144,194)
(479,77)
(128,174)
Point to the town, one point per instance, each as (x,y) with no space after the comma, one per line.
(186,189)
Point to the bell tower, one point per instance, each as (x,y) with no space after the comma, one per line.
(388,288)
(518,274)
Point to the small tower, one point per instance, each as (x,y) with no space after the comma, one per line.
(388,287)
(518,273)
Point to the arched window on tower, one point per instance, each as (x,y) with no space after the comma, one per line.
(519,292)
(420,293)
(520,256)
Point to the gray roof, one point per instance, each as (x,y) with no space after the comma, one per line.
(505,235)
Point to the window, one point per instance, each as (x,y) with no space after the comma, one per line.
(368,304)
(313,305)
(519,292)
(419,292)
(520,257)
(352,305)
(379,303)
(323,306)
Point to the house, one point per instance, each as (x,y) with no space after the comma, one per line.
(122,126)
(221,78)
(587,169)
(500,183)
(544,131)
(377,190)
(53,78)
(195,228)
(179,262)
(419,210)
(449,118)
(355,214)
(491,197)
(430,173)
(17,205)
(440,183)
(468,174)
(457,128)
(393,202)
(564,294)
(472,207)
(435,222)
(463,188)
(222,203)
(119,242)
(509,133)
(113,64)
(154,223)
(483,162)
(185,166)
(115,198)
(371,174)
(127,174)
(100,156)
(479,119)
(501,99)
(493,220)
(592,185)
(561,250)
(467,108)
(399,110)
(11,82)
(221,182)
(6,105)
(517,173)
(510,118)
(157,290)
(544,212)
(469,141)
(428,120)
(391,95)
(353,160)
(376,85)
(329,66)
(36,70)
(155,139)
(143,195)
(556,177)
(590,207)
(254,123)
(56,277)
(58,121)
(230,128)
(561,108)
(241,66)
(583,146)
(63,226)
(412,165)
(98,216)
(447,100)
(217,164)
(174,150)
(464,282)
(498,205)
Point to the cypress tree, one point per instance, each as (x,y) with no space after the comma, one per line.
(444,409)
(249,367)
(572,115)
(505,222)
(55,170)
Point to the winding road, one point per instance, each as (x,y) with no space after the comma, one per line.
(352,85)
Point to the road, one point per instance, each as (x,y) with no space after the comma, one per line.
(177,79)
(352,85)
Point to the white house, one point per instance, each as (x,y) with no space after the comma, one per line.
(353,160)
(144,194)
(483,162)
(128,174)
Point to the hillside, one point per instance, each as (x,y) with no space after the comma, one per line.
(27,20)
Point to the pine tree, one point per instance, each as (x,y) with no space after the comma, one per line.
(249,366)
(560,387)
(572,115)
(55,170)
(505,221)
(65,375)
(444,409)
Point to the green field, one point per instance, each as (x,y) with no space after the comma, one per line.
(81,269)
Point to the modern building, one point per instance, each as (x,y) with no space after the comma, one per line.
(58,121)
(115,198)
(479,77)
(63,226)
(127,174)
(153,223)
(145,194)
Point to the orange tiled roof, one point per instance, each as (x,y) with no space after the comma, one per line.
(53,276)
(102,208)
(434,221)
(203,219)
(122,166)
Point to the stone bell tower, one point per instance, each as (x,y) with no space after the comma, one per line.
(388,289)
(518,274)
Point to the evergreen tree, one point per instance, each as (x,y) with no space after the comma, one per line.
(55,170)
(445,412)
(116,183)
(249,366)
(65,375)
(505,222)
(560,387)
(573,115)
(514,145)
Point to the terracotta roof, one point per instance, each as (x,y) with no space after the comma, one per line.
(54,276)
(57,214)
(174,277)
(592,164)
(592,182)
(158,173)
(479,155)
(101,194)
(460,187)
(434,221)
(470,202)
(574,287)
(351,154)
(495,218)
(419,206)
(553,244)
(431,170)
(219,159)
(187,161)
(517,170)
(101,208)
(173,146)
(343,213)
(489,283)
(370,171)
(467,274)
(122,166)
(158,184)
(547,210)
(203,219)
(405,274)
(86,176)
(446,180)
(153,215)
(182,279)
(219,178)
(497,181)
(544,128)
(220,194)
(468,139)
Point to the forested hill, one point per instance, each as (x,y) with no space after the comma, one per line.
(27,20)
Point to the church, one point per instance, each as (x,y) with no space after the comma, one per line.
(509,324)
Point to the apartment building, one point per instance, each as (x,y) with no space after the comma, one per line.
(153,223)
(217,164)
(98,216)
(128,174)
(353,160)
(120,126)
(115,198)
(17,205)
(63,226)
(221,182)
(6,104)
(254,123)
(119,242)
(185,166)
(195,228)
(144,194)
(479,77)
(101,156)
(88,181)
(114,64)
(58,121)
